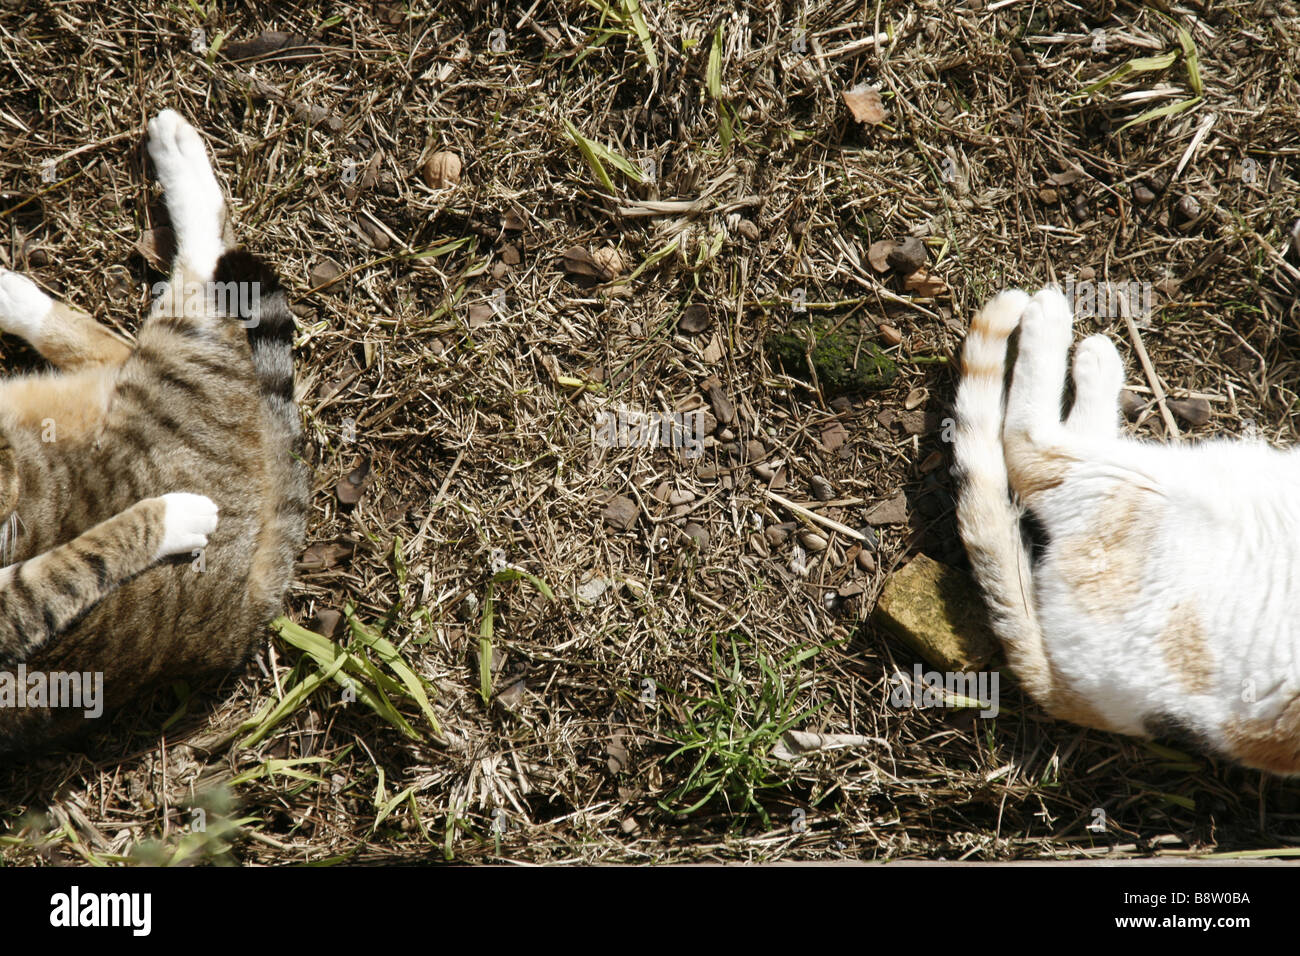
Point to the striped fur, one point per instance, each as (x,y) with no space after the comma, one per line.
(158,492)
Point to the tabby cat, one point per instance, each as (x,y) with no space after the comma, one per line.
(153,498)
(1166,600)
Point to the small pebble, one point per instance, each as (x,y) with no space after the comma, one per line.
(776,534)
(697,534)
(1192,411)
(1131,403)
(812,541)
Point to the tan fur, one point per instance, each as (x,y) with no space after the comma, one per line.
(72,340)
(1185,649)
(1273,746)
(1106,565)
(1033,469)
(70,406)
(1064,703)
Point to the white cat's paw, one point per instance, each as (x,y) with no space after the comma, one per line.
(193,196)
(1098,368)
(1048,320)
(187,522)
(23,306)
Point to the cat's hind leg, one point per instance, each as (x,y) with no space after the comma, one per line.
(65,336)
(1098,378)
(194,200)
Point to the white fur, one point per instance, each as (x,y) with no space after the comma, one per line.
(1221,536)
(194,199)
(187,522)
(23,306)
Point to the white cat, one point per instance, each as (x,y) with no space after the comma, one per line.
(1167,599)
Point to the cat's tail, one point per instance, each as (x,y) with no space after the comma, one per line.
(986,516)
(269,324)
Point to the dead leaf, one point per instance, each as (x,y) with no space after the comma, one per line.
(796,743)
(353,486)
(264,44)
(924,284)
(578,261)
(723,410)
(833,436)
(327,621)
(1066,177)
(890,511)
(323,272)
(158,246)
(621,513)
(878,254)
(865,105)
(326,554)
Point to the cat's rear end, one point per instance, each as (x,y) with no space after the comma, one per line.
(1161,600)
(119,463)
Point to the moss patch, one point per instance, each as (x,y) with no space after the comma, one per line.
(844,363)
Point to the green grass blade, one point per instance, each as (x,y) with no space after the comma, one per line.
(515,574)
(1169,109)
(389,654)
(587,148)
(1142,64)
(485,649)
(639,25)
(1191,59)
(714,74)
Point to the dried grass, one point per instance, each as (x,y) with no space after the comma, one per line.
(480,433)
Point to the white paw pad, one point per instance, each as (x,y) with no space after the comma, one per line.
(193,197)
(23,306)
(187,522)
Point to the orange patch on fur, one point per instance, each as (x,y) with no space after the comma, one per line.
(1186,652)
(1106,567)
(1033,469)
(1273,746)
(971,369)
(59,407)
(71,340)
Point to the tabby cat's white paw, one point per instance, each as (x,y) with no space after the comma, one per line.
(187,522)
(193,196)
(23,306)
